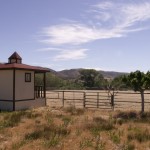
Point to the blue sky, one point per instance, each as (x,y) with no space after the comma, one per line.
(112,35)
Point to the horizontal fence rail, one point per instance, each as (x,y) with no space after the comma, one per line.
(97,99)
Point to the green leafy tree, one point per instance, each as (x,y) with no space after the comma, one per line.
(138,81)
(91,78)
(118,84)
(38,79)
(100,82)
(52,81)
(72,85)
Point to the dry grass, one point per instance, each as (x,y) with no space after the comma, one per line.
(74,129)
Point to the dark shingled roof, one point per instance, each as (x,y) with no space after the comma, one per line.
(15,55)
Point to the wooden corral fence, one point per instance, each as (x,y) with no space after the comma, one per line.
(98,99)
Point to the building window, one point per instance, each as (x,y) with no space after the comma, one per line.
(13,61)
(27,77)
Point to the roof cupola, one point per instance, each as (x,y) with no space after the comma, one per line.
(15,58)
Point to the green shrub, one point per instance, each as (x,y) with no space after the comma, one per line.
(85,143)
(132,116)
(18,145)
(128,146)
(12,119)
(52,142)
(115,137)
(33,135)
(75,111)
(48,132)
(32,115)
(99,124)
(144,117)
(139,135)
(99,145)
(66,120)
(126,115)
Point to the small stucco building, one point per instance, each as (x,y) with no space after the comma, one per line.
(17,85)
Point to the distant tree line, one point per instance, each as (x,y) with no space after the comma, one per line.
(53,82)
(88,79)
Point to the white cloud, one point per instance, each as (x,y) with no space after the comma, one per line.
(69,33)
(110,19)
(71,55)
(102,16)
(49,49)
(100,68)
(135,13)
(104,5)
(65,53)
(123,17)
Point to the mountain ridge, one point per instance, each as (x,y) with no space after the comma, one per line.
(74,73)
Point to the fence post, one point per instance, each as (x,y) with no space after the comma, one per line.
(63,98)
(35,91)
(84,99)
(112,100)
(97,99)
(73,98)
(38,90)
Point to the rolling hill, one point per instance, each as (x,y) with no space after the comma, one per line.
(74,73)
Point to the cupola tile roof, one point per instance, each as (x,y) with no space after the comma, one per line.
(15,55)
(21,66)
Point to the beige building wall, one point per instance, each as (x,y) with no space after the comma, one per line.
(5,105)
(6,84)
(20,105)
(24,90)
